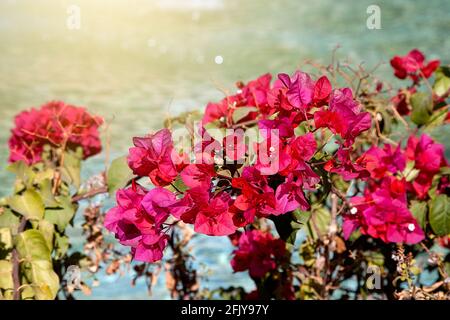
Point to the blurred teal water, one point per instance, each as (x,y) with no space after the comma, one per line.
(136,62)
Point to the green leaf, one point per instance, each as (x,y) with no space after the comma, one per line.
(319,222)
(31,245)
(9,220)
(437,119)
(46,192)
(44,281)
(118,175)
(440,215)
(62,215)
(242,112)
(6,280)
(48,230)
(445,171)
(43,174)
(72,167)
(37,264)
(302,217)
(29,204)
(419,211)
(375,258)
(422,106)
(61,246)
(5,239)
(24,173)
(179,185)
(442,83)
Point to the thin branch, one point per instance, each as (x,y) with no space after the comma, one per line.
(89,194)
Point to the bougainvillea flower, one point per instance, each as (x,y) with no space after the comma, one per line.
(322,91)
(128,208)
(137,226)
(343,116)
(214,218)
(125,219)
(343,103)
(300,89)
(150,248)
(343,165)
(258,252)
(205,147)
(272,155)
(428,158)
(208,212)
(289,196)
(234,146)
(220,111)
(198,175)
(157,203)
(282,127)
(276,97)
(227,187)
(383,214)
(380,161)
(56,124)
(253,94)
(304,147)
(413,65)
(256,198)
(428,155)
(152,156)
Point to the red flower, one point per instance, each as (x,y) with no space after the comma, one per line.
(380,161)
(214,218)
(254,94)
(413,65)
(300,89)
(343,165)
(322,91)
(273,155)
(137,221)
(256,198)
(209,213)
(428,158)
(343,116)
(56,124)
(234,146)
(282,127)
(258,252)
(198,175)
(383,214)
(152,156)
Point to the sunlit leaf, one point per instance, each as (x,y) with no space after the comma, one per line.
(118,175)
(29,204)
(62,215)
(6,280)
(71,169)
(37,264)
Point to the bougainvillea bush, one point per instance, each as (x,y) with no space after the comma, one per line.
(328,183)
